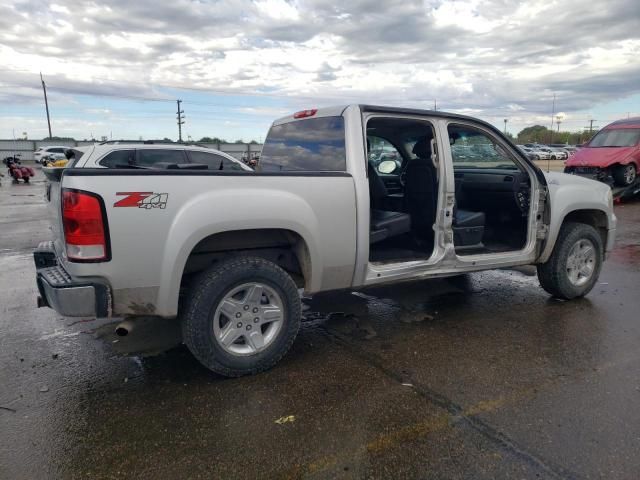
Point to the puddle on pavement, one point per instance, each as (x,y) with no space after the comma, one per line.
(629,254)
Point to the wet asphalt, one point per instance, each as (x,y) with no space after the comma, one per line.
(482,376)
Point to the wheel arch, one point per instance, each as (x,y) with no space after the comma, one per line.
(595,217)
(292,250)
(286,248)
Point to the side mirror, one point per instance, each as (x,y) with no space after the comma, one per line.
(387,166)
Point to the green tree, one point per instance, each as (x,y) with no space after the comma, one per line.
(536,133)
(540,134)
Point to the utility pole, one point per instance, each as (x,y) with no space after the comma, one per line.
(46,103)
(505,125)
(590,127)
(180,117)
(435,105)
(553,112)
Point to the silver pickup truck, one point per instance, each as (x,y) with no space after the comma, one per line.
(342,198)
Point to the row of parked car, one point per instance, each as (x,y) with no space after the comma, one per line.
(536,151)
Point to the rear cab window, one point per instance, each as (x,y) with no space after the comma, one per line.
(309,145)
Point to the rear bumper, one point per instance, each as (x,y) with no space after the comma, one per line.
(68,296)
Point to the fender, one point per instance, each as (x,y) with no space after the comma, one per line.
(276,209)
(564,189)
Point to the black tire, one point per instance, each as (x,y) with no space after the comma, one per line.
(553,275)
(207,292)
(26,179)
(624,175)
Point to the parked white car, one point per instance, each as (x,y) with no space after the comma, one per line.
(47,151)
(535,151)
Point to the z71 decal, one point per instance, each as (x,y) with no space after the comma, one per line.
(142,200)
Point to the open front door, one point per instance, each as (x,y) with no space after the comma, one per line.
(493,190)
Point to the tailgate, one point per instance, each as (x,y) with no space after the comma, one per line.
(53,199)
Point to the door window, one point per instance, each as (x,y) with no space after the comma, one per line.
(149,157)
(472,148)
(213,161)
(119,158)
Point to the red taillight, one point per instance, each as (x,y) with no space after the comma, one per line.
(84,226)
(305,113)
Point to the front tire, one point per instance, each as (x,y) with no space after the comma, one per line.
(575,264)
(624,175)
(241,316)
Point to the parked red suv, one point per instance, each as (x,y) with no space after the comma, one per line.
(613,154)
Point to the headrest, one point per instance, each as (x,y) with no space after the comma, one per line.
(422,148)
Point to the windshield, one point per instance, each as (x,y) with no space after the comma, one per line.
(620,137)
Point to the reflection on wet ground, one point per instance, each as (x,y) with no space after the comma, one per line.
(478,376)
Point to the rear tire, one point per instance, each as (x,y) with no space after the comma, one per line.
(228,320)
(575,264)
(624,175)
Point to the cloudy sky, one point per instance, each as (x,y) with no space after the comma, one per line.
(115,68)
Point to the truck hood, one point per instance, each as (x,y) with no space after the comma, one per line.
(562,179)
(599,156)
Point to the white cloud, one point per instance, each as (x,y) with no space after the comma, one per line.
(486,56)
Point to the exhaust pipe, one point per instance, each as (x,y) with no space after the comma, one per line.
(124,328)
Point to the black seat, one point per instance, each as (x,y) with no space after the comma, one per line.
(383,223)
(421,193)
(421,190)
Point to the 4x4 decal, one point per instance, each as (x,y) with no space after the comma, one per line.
(142,200)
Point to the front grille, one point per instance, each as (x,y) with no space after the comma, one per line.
(586,170)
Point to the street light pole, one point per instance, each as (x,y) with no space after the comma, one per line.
(505,125)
